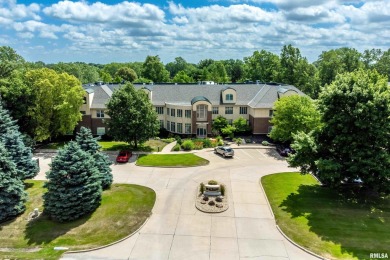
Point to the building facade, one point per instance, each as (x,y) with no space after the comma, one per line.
(189,109)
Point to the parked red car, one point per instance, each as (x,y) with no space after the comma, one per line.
(123,156)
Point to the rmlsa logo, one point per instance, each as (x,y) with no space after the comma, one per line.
(379,255)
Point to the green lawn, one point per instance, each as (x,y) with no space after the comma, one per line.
(171,160)
(149,146)
(123,210)
(331,223)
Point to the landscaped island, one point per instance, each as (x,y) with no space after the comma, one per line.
(171,160)
(124,208)
(333,224)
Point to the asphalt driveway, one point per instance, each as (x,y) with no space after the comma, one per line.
(177,230)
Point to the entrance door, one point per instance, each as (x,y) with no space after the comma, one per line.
(201,132)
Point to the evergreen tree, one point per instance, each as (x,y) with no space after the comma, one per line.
(74,186)
(12,194)
(20,154)
(88,143)
(6,122)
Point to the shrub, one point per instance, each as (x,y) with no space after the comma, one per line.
(212,182)
(198,145)
(220,142)
(214,143)
(178,139)
(201,188)
(218,138)
(205,198)
(238,141)
(218,199)
(223,190)
(207,143)
(211,203)
(176,148)
(188,145)
(265,143)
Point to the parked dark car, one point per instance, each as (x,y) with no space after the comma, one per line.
(123,156)
(284,150)
(225,151)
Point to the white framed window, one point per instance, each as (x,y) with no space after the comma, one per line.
(160,110)
(188,113)
(243,110)
(180,128)
(168,111)
(188,128)
(161,123)
(215,110)
(201,112)
(168,125)
(100,130)
(100,113)
(229,97)
(173,127)
(173,112)
(179,113)
(228,110)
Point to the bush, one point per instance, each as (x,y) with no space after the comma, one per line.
(211,203)
(205,198)
(218,138)
(212,182)
(220,142)
(265,143)
(214,143)
(238,141)
(218,199)
(188,145)
(198,145)
(201,188)
(223,190)
(178,140)
(207,143)
(176,148)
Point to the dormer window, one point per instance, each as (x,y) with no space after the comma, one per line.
(229,97)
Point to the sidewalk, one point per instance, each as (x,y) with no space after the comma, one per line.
(168,147)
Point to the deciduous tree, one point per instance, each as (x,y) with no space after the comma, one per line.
(132,116)
(154,70)
(57,101)
(354,141)
(293,114)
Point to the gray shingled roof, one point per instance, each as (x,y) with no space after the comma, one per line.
(253,95)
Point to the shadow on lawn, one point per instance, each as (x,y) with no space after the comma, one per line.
(350,217)
(43,230)
(119,147)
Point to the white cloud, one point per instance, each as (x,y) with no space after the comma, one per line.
(124,12)
(11,10)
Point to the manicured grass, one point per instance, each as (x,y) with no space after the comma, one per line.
(124,208)
(171,160)
(331,223)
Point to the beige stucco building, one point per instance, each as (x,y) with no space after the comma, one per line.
(189,109)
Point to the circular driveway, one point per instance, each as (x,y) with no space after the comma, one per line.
(177,230)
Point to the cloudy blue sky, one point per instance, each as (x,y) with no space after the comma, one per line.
(107,31)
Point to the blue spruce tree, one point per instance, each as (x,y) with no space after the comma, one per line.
(6,122)
(20,154)
(74,186)
(12,194)
(90,144)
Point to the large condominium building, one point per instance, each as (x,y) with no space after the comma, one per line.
(190,108)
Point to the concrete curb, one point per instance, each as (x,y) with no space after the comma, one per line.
(281,232)
(301,247)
